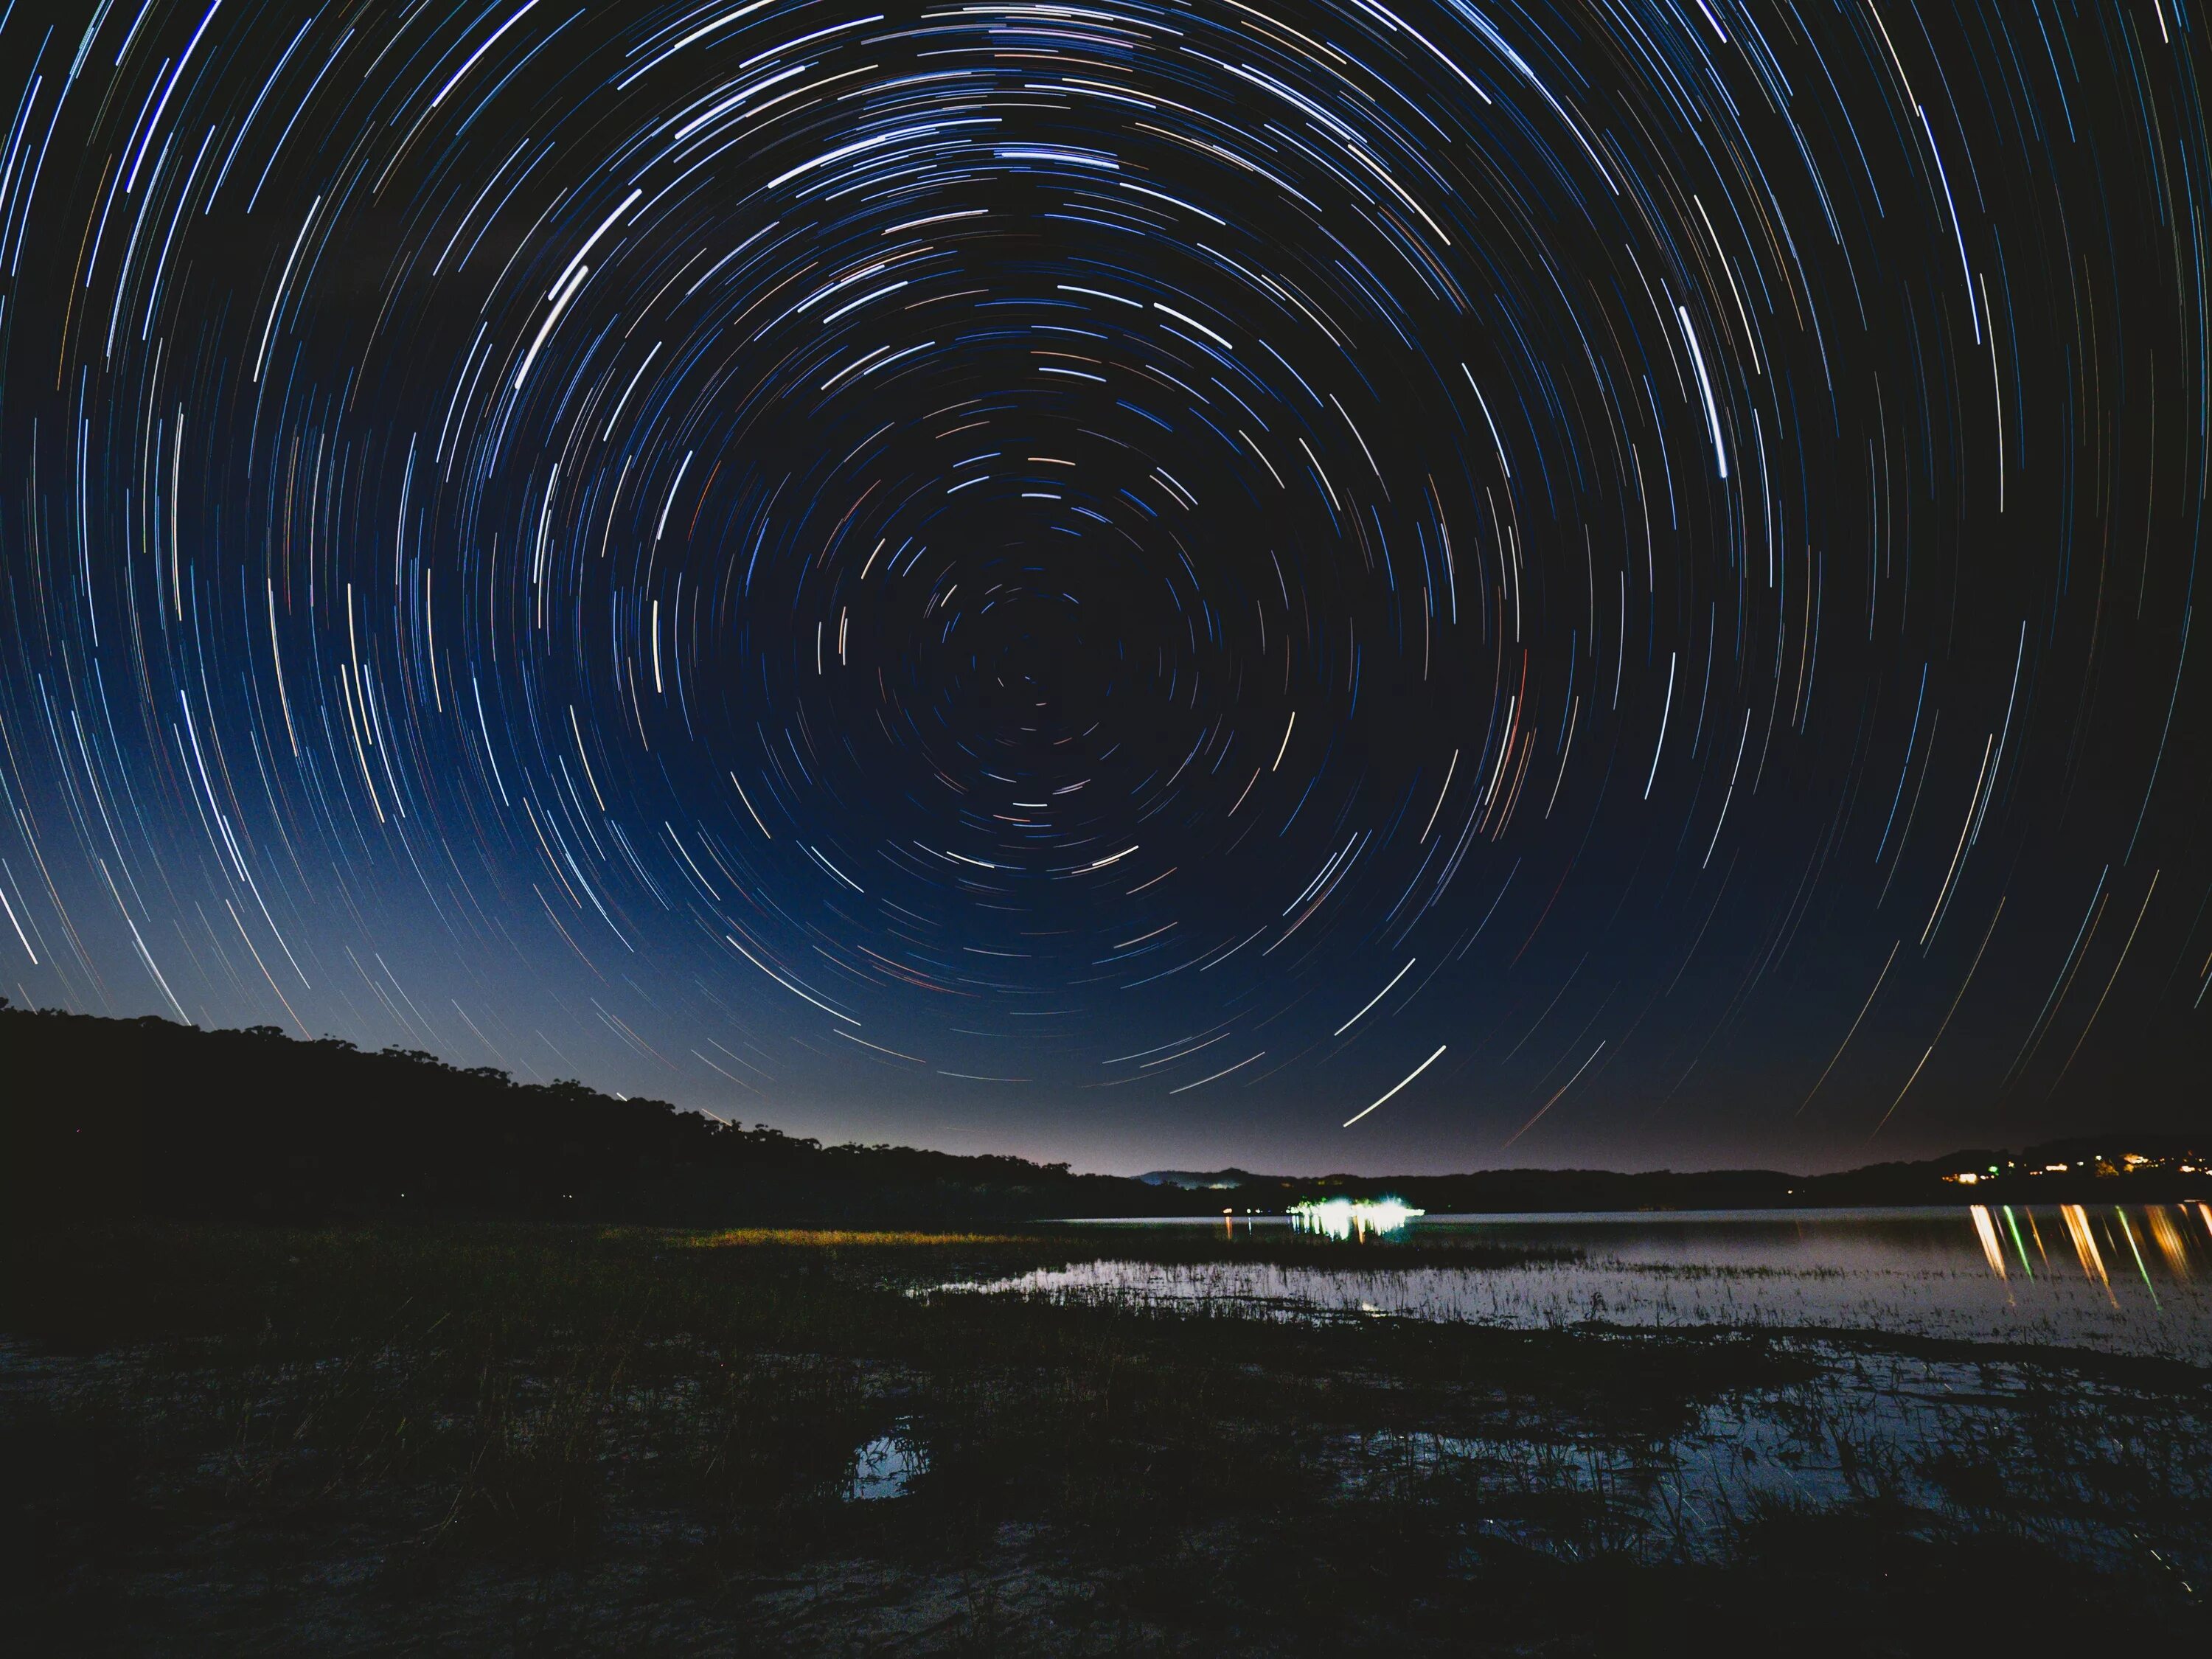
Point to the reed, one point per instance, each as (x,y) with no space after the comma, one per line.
(503,1434)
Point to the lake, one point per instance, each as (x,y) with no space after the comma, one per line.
(2116,1278)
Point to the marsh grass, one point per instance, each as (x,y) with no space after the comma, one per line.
(540,1438)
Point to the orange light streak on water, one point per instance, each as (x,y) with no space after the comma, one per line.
(2167,1237)
(2084,1245)
(1987,1231)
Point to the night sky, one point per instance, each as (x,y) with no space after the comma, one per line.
(1127,582)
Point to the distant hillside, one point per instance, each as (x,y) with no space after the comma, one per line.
(2139,1168)
(144,1115)
(105,1116)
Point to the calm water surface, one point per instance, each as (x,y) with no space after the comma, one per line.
(2123,1279)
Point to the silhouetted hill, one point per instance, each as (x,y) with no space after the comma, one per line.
(146,1116)
(107,1116)
(2147,1168)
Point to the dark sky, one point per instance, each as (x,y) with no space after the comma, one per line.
(1125,582)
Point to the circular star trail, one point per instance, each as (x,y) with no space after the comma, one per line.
(1528,579)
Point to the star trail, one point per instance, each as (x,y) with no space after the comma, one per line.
(1614,578)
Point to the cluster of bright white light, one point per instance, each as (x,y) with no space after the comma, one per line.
(1339,1218)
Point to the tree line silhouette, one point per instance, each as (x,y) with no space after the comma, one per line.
(145,1116)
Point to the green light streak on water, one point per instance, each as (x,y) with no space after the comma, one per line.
(2132,1250)
(2013,1224)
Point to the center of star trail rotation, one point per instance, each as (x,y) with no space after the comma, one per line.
(1303,582)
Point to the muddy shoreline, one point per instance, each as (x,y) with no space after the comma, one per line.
(547,1440)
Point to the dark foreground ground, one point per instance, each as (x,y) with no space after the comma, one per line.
(522,1439)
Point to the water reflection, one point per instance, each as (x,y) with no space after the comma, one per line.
(1988,1233)
(1345,1218)
(1980,1272)
(886,1466)
(2084,1245)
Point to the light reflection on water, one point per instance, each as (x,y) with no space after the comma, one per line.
(886,1466)
(1342,1218)
(2120,1278)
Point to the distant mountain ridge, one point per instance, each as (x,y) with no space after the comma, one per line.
(144,1116)
(2148,1167)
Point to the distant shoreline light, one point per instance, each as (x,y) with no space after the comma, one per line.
(1340,1217)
